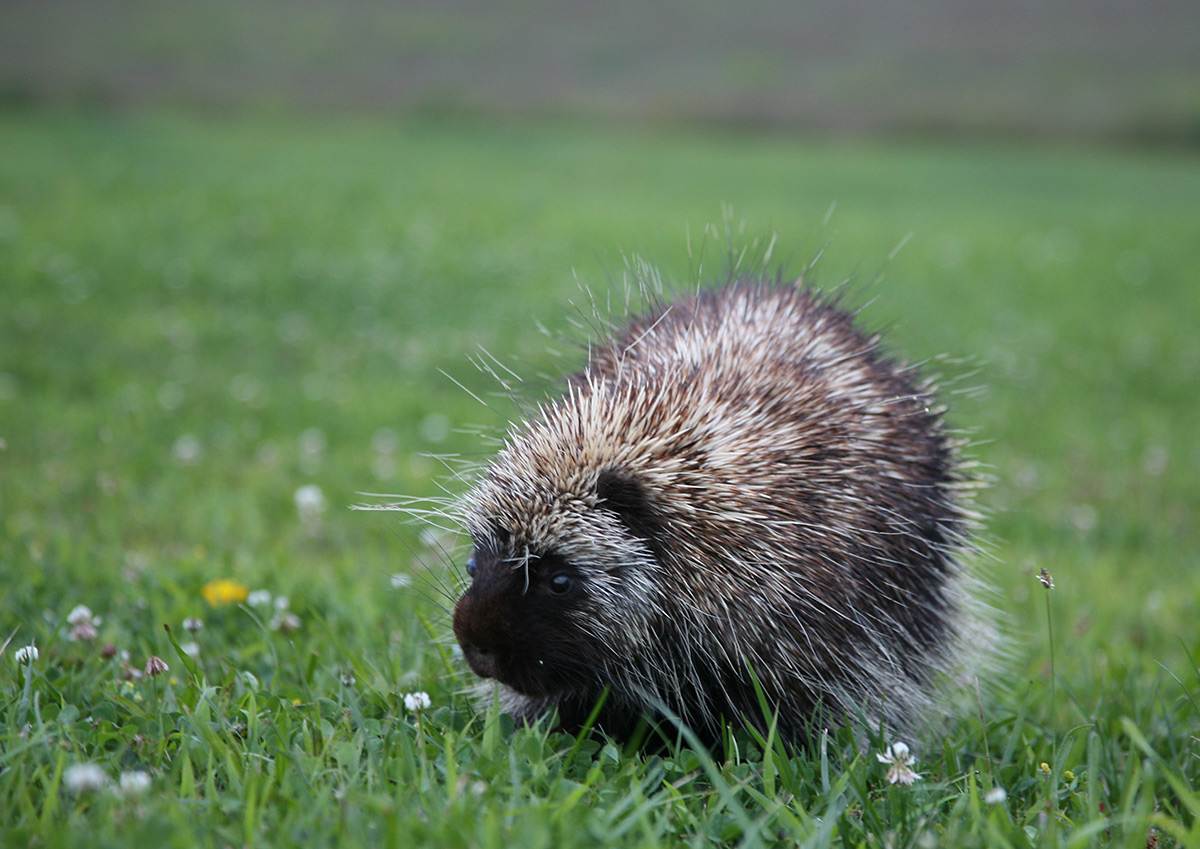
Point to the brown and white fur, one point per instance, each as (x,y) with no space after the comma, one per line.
(739,494)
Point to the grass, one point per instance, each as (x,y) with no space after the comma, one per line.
(199,318)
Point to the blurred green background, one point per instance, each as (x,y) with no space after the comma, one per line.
(1118,70)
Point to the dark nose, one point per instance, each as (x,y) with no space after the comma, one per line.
(481,661)
(471,627)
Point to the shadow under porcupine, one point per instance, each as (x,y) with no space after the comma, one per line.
(740,497)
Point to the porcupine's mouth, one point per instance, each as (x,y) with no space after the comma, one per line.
(526,685)
(490,665)
(532,676)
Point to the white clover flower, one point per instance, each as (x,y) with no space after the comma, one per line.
(187,449)
(285,622)
(384,441)
(191,649)
(258,598)
(155,665)
(995,796)
(400,581)
(416,702)
(310,503)
(312,443)
(193,625)
(82,778)
(134,783)
(83,622)
(281,602)
(80,613)
(26,654)
(84,632)
(435,427)
(899,761)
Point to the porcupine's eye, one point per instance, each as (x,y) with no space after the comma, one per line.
(471,565)
(560,583)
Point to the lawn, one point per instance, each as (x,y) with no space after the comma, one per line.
(202,320)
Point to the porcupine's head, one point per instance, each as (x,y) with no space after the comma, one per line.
(564,596)
(567,594)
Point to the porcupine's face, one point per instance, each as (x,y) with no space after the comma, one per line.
(557,579)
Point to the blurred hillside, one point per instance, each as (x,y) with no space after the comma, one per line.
(1091,68)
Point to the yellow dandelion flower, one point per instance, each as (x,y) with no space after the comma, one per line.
(224,591)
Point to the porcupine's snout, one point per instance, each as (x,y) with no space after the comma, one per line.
(476,632)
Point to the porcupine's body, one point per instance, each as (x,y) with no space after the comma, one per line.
(737,481)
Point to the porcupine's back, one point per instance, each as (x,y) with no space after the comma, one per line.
(753,485)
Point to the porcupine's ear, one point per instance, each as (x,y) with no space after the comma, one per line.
(626,496)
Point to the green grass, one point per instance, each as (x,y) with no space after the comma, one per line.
(285,295)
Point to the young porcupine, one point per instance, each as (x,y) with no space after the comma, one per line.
(739,494)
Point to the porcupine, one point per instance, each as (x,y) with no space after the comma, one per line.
(740,497)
